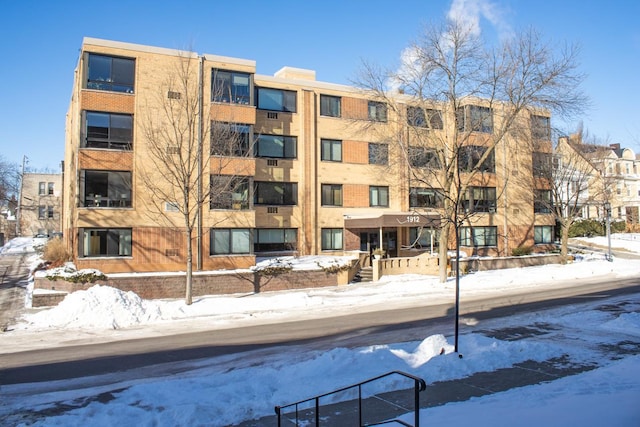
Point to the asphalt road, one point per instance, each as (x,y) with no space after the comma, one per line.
(133,357)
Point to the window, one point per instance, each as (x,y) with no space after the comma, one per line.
(480,199)
(279,146)
(230,139)
(331,150)
(470,155)
(478,236)
(378,154)
(542,203)
(543,234)
(275,239)
(226,241)
(50,212)
(420,237)
(425,198)
(424,118)
(110,189)
(42,212)
(331,194)
(330,106)
(473,118)
(377,111)
(110,73)
(331,239)
(422,157)
(276,193)
(541,128)
(107,130)
(50,188)
(106,242)
(378,196)
(542,164)
(230,192)
(42,188)
(276,100)
(231,87)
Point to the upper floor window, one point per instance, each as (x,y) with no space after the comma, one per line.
(423,157)
(50,188)
(230,192)
(111,189)
(473,118)
(425,198)
(108,130)
(542,164)
(331,150)
(110,73)
(424,117)
(279,146)
(276,99)
(105,242)
(469,158)
(225,241)
(331,194)
(231,86)
(480,199)
(230,139)
(378,154)
(276,193)
(479,236)
(542,202)
(42,188)
(378,196)
(377,111)
(330,106)
(541,128)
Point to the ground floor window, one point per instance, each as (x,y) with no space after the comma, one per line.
(479,236)
(226,241)
(543,234)
(331,239)
(106,242)
(275,239)
(421,237)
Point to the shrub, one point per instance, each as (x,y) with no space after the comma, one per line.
(586,228)
(522,251)
(55,252)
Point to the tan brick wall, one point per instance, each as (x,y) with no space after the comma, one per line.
(355,108)
(114,160)
(355,196)
(355,152)
(97,100)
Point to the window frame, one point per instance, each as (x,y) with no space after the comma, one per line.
(328,150)
(288,103)
(474,118)
(110,232)
(480,200)
(434,197)
(470,236)
(229,93)
(377,111)
(426,118)
(112,82)
(330,106)
(289,193)
(470,155)
(289,146)
(331,194)
(378,192)
(112,141)
(378,153)
(92,200)
(540,128)
(423,157)
(228,187)
(329,237)
(287,244)
(238,137)
(215,232)
(542,203)
(539,234)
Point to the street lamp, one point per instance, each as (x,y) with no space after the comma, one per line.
(607,209)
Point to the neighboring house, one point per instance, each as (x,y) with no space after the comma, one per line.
(314,183)
(40,209)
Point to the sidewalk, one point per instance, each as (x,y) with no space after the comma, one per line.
(13,282)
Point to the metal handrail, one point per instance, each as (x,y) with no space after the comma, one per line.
(419,385)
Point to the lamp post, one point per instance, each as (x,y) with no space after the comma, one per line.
(607,209)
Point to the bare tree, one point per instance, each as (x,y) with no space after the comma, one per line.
(457,101)
(191,157)
(9,181)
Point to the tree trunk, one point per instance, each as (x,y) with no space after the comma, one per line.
(189,279)
(443,248)
(564,243)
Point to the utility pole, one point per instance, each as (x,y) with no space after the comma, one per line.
(25,160)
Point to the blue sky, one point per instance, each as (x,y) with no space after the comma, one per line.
(40,42)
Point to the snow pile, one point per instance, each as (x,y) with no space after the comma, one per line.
(98,307)
(303,263)
(23,245)
(430,347)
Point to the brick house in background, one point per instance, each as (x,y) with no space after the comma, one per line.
(40,210)
(313,183)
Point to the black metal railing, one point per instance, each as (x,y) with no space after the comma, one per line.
(351,406)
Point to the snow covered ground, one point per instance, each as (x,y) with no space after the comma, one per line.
(225,390)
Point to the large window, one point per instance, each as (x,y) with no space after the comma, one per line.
(473,118)
(110,73)
(277,146)
(276,193)
(230,139)
(331,239)
(420,237)
(106,242)
(111,189)
(542,164)
(331,150)
(275,240)
(478,236)
(377,111)
(226,241)
(424,118)
(231,86)
(378,154)
(543,234)
(422,157)
(331,195)
(542,202)
(330,106)
(276,100)
(230,192)
(378,196)
(108,130)
(425,198)
(470,155)
(480,199)
(541,128)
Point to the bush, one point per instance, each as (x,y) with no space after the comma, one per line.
(55,253)
(522,251)
(587,228)
(618,227)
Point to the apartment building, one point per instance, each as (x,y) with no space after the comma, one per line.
(307,179)
(40,208)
